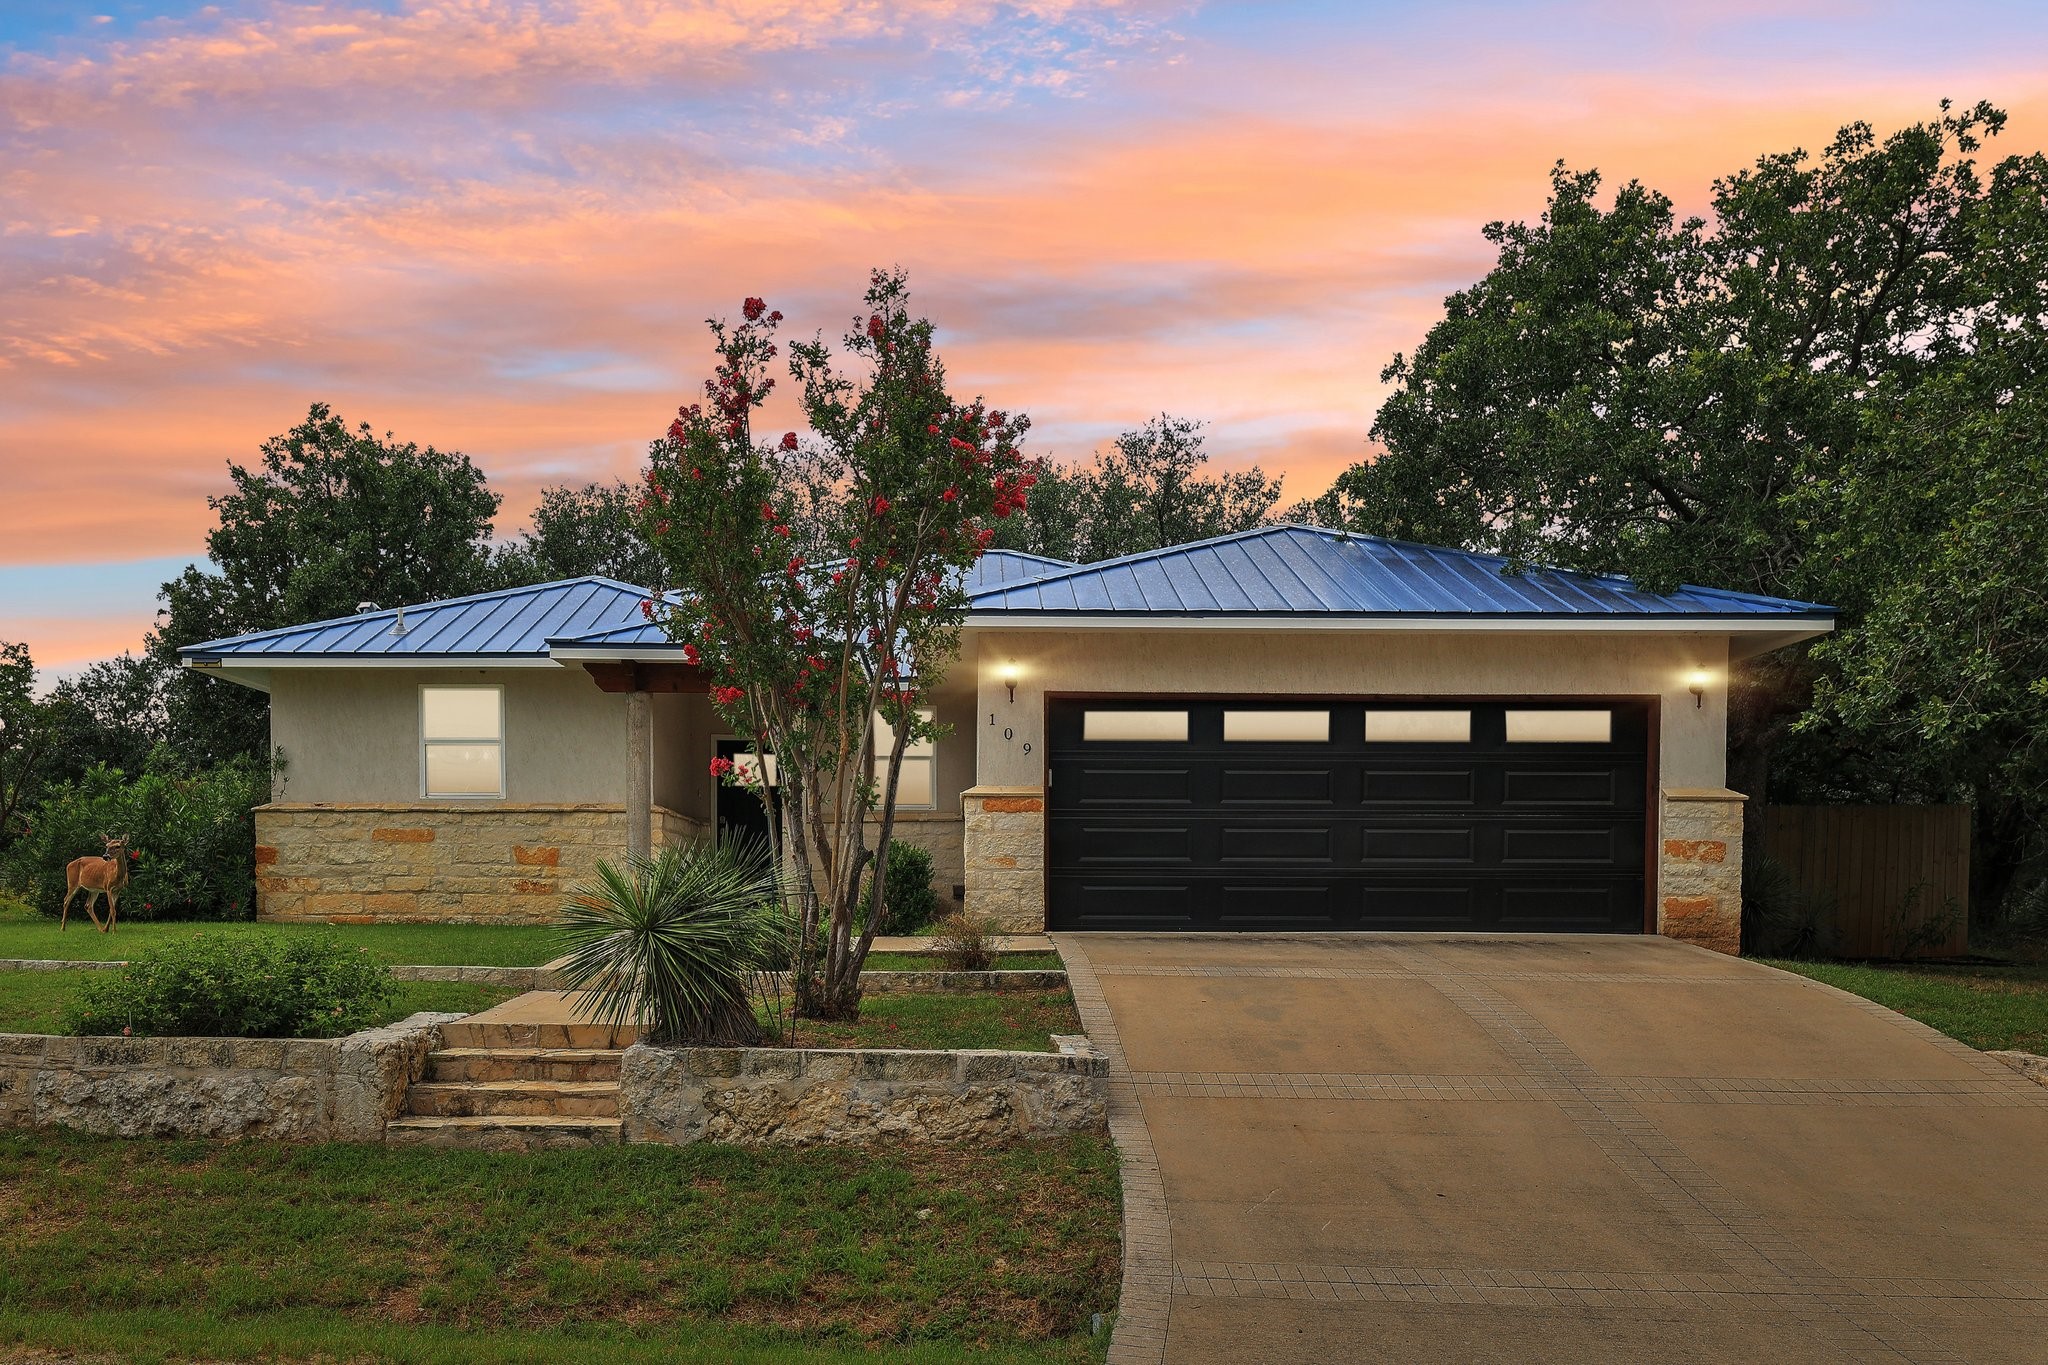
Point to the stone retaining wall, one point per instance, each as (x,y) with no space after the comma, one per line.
(791,1097)
(428,861)
(1699,868)
(1003,849)
(289,1090)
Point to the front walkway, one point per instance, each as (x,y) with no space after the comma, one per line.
(1413,1147)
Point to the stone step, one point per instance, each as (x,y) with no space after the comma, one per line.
(482,1031)
(523,1064)
(477,1099)
(502,1132)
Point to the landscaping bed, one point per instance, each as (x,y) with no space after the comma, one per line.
(1990,1006)
(622,1253)
(1018,1021)
(930,962)
(33,1002)
(475,945)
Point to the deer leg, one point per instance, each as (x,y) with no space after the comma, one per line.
(90,896)
(113,909)
(64,911)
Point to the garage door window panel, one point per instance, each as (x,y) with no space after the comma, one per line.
(1135,727)
(1276,727)
(1560,727)
(1418,727)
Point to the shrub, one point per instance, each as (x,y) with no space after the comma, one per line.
(192,831)
(242,986)
(965,941)
(911,904)
(1783,918)
(672,943)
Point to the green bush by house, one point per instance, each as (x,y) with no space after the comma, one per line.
(912,903)
(192,832)
(214,985)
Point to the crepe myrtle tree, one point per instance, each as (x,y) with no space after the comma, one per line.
(819,583)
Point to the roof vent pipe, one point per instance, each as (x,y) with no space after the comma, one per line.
(398,622)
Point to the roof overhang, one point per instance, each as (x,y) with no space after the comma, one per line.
(1795,627)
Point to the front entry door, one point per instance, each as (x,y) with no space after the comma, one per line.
(740,812)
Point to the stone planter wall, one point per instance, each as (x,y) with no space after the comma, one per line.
(426,861)
(789,1097)
(289,1090)
(1699,868)
(1003,848)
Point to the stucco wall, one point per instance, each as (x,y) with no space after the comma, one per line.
(353,734)
(1692,746)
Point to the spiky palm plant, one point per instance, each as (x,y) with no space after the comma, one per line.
(672,943)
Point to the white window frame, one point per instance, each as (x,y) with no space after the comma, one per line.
(930,758)
(497,741)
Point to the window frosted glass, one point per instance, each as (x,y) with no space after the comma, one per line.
(1560,727)
(914,786)
(885,739)
(459,713)
(1270,727)
(1143,726)
(1418,727)
(463,770)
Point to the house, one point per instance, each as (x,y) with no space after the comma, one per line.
(1288,728)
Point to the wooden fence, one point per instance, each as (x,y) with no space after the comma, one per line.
(1898,876)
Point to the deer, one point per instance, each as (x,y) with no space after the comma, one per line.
(105,876)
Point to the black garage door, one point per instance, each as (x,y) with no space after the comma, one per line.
(1170,814)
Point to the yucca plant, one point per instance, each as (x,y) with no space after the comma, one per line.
(672,943)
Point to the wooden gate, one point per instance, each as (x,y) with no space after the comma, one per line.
(1899,876)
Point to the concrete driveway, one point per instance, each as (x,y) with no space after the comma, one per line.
(1410,1147)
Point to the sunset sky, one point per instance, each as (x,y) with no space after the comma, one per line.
(497,225)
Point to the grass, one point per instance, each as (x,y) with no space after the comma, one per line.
(1020,1021)
(925,962)
(33,1002)
(25,934)
(1992,1007)
(256,1250)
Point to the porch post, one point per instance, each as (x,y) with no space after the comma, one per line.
(640,775)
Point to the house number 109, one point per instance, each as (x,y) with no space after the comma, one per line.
(1009,733)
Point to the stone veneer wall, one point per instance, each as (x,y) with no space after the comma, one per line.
(289,1090)
(426,861)
(784,1097)
(1003,852)
(1699,870)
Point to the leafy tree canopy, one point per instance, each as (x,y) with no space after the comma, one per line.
(579,531)
(1150,489)
(331,516)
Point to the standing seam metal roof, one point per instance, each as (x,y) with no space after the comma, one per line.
(1307,570)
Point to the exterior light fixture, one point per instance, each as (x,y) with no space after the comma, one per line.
(1009,676)
(1696,683)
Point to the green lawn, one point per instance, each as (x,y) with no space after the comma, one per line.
(1021,1021)
(467,945)
(249,1250)
(1996,1008)
(33,1002)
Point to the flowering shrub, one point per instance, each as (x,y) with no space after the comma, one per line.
(214,985)
(821,582)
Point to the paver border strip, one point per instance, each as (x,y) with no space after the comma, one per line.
(1145,1298)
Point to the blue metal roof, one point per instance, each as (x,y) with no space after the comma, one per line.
(509,624)
(1306,570)
(993,568)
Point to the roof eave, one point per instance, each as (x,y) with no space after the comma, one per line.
(1795,625)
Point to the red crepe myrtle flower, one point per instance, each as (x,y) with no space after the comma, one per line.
(647,608)
(720,766)
(789,440)
(950,495)
(838,577)
(931,431)
(134,855)
(877,329)
(767,512)
(753,308)
(691,656)
(802,635)
(775,316)
(675,430)
(782,531)
(796,562)
(726,696)
(880,505)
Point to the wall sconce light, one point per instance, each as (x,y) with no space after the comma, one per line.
(1696,683)
(1009,676)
